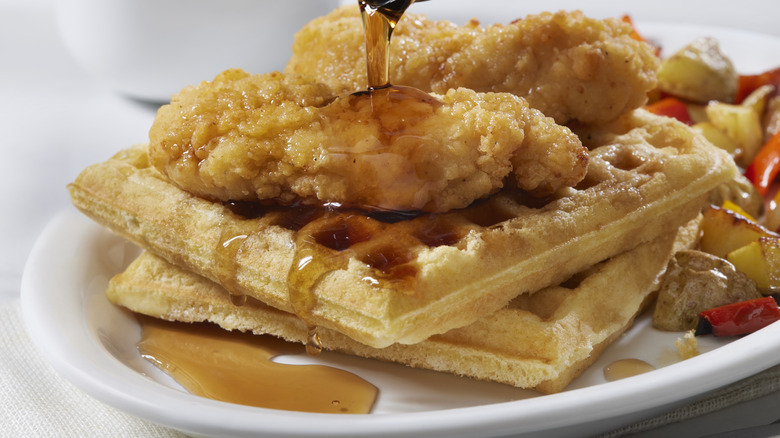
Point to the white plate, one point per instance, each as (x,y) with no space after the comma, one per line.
(92,344)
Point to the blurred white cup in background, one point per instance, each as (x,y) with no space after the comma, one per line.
(151,49)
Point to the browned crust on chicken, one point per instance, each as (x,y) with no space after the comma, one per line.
(568,66)
(288,139)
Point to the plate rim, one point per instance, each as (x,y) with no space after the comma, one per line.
(142,397)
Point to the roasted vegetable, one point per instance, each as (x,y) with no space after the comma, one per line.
(751,248)
(765,166)
(772,218)
(742,124)
(717,137)
(747,84)
(671,107)
(772,117)
(740,318)
(723,231)
(696,281)
(699,72)
(757,100)
(740,258)
(759,260)
(741,192)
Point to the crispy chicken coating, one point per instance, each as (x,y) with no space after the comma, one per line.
(285,138)
(570,67)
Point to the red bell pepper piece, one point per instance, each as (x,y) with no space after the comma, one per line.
(671,107)
(749,83)
(743,317)
(765,166)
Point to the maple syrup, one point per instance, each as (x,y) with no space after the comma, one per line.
(379,20)
(227,252)
(321,247)
(238,368)
(624,368)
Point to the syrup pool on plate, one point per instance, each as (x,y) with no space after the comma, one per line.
(238,368)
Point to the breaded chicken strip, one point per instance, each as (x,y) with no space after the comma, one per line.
(281,137)
(568,66)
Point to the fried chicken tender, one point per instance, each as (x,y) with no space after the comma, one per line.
(287,139)
(570,67)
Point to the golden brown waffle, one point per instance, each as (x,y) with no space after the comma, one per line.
(541,341)
(382,281)
(567,65)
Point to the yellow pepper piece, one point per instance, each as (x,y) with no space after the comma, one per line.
(760,261)
(729,205)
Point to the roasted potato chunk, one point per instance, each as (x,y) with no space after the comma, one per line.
(723,231)
(697,281)
(699,72)
(741,123)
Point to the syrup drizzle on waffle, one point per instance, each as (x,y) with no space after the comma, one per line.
(327,237)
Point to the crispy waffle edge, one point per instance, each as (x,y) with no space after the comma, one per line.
(541,343)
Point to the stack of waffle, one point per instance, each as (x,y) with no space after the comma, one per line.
(511,289)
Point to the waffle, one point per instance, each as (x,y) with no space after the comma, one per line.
(394,279)
(541,341)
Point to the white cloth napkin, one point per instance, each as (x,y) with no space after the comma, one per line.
(36,402)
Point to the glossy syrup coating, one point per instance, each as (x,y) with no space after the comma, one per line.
(282,137)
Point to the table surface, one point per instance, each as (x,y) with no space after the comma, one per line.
(56,120)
